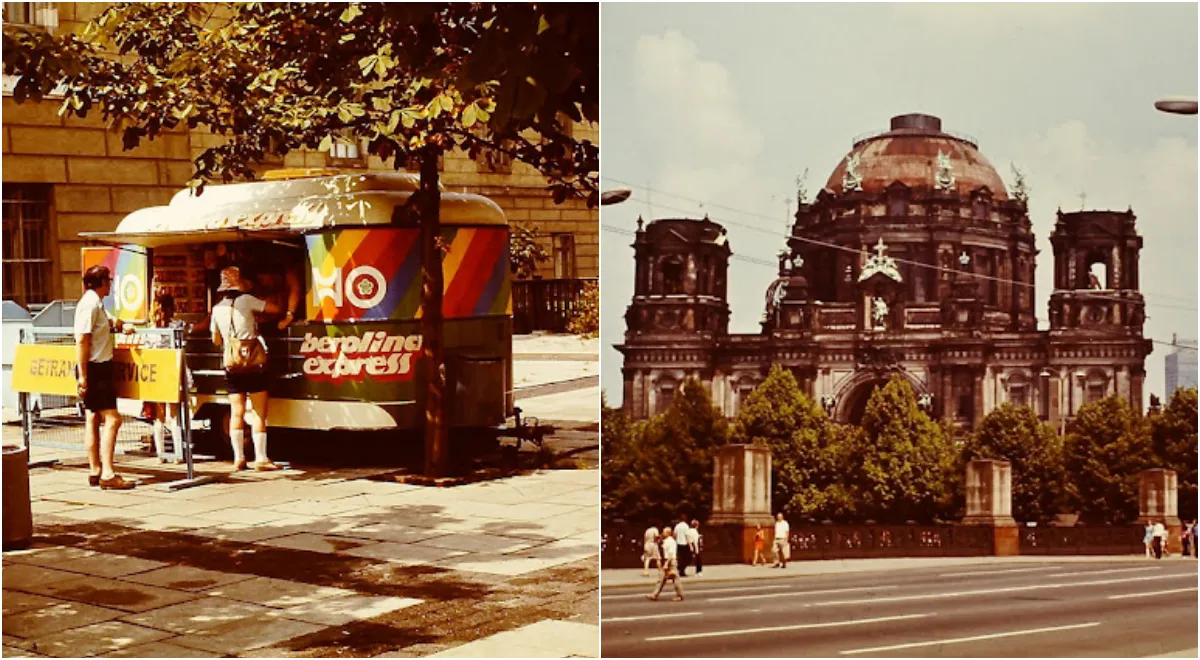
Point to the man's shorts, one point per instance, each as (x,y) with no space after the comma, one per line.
(101,391)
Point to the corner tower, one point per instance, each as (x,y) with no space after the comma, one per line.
(679,310)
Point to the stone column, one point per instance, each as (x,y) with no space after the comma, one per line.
(741,497)
(989,504)
(1158,501)
(978,392)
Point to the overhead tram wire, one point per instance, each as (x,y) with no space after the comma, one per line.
(921,264)
(768,264)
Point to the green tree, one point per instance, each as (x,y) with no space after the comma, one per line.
(669,470)
(903,463)
(616,454)
(1173,441)
(411,81)
(1105,449)
(1015,434)
(806,448)
(525,252)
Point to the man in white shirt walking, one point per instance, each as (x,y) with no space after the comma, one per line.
(95,378)
(1160,539)
(669,566)
(783,548)
(650,550)
(681,542)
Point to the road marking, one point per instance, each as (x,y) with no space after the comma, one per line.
(616,619)
(1010,570)
(961,640)
(1103,572)
(984,592)
(801,626)
(1152,593)
(727,599)
(706,591)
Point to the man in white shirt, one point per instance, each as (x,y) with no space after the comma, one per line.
(681,542)
(669,567)
(650,550)
(1160,539)
(783,548)
(95,378)
(693,537)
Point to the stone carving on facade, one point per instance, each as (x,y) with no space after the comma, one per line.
(827,403)
(925,402)
(852,180)
(944,178)
(880,264)
(877,359)
(879,313)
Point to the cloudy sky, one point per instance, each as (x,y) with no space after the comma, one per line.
(717,108)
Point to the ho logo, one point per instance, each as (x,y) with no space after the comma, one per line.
(364,287)
(129,292)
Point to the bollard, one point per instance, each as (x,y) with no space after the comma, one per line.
(18,510)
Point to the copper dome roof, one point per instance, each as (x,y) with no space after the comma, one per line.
(908,153)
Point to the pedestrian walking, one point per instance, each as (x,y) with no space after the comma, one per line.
(1148,539)
(95,378)
(681,543)
(760,538)
(694,540)
(783,548)
(650,551)
(245,361)
(1195,547)
(1187,540)
(670,566)
(1159,539)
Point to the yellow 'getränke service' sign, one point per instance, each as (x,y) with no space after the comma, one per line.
(142,374)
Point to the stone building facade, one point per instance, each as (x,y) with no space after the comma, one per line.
(63,176)
(913,260)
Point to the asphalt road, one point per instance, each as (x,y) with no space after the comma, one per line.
(1100,609)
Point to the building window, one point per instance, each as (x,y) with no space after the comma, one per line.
(1018,390)
(564,256)
(348,153)
(897,207)
(28,267)
(980,209)
(672,273)
(40,14)
(666,395)
(1095,387)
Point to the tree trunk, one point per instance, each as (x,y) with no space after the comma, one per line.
(437,445)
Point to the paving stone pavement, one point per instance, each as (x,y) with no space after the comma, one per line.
(307,563)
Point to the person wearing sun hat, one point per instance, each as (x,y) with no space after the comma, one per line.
(234,327)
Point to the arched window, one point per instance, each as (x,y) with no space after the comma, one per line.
(672,276)
(1098,275)
(1018,389)
(666,395)
(1095,386)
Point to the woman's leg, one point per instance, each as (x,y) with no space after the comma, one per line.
(237,432)
(258,426)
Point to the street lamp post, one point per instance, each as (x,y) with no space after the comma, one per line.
(614,196)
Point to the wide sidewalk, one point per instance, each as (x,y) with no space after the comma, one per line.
(631,577)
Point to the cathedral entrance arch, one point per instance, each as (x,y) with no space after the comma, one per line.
(854,393)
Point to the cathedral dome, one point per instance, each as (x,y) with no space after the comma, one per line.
(909,153)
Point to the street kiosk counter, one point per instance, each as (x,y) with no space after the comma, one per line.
(353,358)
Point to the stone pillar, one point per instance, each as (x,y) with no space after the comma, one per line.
(989,503)
(1158,501)
(978,392)
(741,496)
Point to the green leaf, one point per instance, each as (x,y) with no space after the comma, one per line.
(380,103)
(543,25)
(326,143)
(367,63)
(352,12)
(469,116)
(393,122)
(346,38)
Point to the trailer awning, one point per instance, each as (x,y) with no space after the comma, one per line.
(160,239)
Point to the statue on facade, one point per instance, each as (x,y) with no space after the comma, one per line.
(944,178)
(879,313)
(880,264)
(827,403)
(925,402)
(852,180)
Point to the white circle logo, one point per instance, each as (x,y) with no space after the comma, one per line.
(365,287)
(132,292)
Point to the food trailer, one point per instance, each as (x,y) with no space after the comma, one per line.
(352,358)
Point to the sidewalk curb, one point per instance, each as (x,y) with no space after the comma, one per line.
(841,566)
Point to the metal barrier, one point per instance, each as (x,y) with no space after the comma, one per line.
(57,421)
